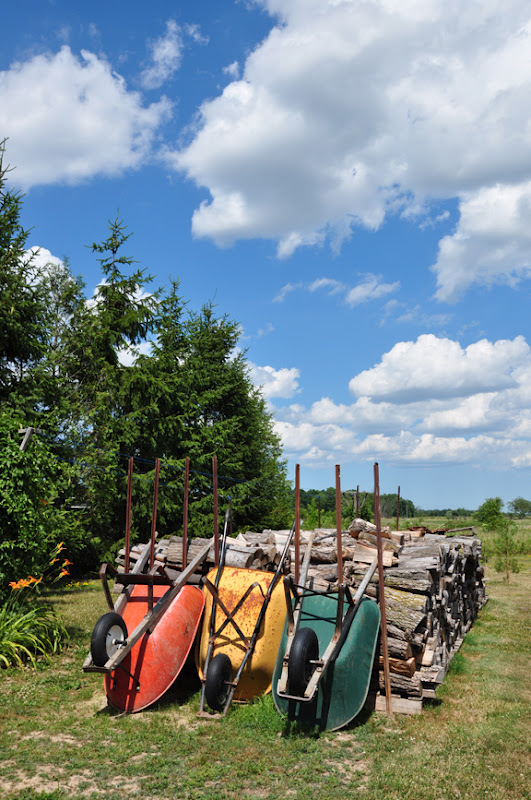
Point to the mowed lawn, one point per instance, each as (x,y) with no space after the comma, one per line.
(59,740)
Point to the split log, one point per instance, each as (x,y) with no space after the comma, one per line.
(401,666)
(387,544)
(366,553)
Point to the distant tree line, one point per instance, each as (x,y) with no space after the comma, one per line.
(62,372)
(449,513)
(311,500)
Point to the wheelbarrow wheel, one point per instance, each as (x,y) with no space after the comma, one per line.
(304,650)
(110,631)
(218,682)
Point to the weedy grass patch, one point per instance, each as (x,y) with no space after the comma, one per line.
(59,739)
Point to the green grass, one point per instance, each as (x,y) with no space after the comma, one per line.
(59,740)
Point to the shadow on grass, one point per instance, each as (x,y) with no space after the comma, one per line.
(180,693)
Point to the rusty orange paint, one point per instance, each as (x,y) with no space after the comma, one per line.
(256,678)
(157,658)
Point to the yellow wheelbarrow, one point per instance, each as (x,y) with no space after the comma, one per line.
(244,617)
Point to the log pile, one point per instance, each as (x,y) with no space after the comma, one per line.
(434,588)
(433,595)
(248,551)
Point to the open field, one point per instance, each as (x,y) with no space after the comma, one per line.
(58,739)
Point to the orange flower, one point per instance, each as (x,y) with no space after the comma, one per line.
(67,563)
(63,573)
(21,584)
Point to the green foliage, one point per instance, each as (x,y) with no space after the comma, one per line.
(489,514)
(34,515)
(388,505)
(62,370)
(29,628)
(195,399)
(520,507)
(21,305)
(506,548)
(27,632)
(311,499)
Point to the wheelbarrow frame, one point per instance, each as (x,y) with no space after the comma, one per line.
(294,601)
(214,633)
(295,594)
(134,679)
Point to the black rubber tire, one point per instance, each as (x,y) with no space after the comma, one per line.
(304,650)
(218,682)
(109,631)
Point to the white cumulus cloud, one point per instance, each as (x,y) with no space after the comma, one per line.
(282,382)
(492,243)
(69,118)
(436,367)
(348,112)
(430,402)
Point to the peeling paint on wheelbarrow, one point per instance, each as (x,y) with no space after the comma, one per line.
(235,582)
(152,664)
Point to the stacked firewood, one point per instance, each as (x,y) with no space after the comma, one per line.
(434,588)
(432,596)
(248,551)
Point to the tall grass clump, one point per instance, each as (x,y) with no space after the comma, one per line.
(26,633)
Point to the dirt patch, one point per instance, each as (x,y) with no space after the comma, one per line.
(60,738)
(49,778)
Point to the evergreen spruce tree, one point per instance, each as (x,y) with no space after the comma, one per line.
(120,316)
(21,302)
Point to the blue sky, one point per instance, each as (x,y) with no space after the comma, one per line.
(350,181)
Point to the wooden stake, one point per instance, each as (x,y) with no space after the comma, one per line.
(216,521)
(154,514)
(185,511)
(381,592)
(338,527)
(297,523)
(128,513)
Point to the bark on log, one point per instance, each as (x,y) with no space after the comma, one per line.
(401,684)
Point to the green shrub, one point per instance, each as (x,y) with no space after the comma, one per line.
(34,505)
(27,632)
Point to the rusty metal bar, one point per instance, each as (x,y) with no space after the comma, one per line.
(185,512)
(338,527)
(216,507)
(128,514)
(381,592)
(357,501)
(297,523)
(154,514)
(319,509)
(397,508)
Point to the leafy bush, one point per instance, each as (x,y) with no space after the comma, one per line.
(489,514)
(34,500)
